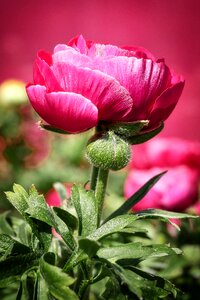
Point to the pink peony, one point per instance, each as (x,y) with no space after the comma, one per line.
(166,152)
(176,190)
(83,83)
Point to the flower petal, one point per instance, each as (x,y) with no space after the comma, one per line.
(70,55)
(43,75)
(64,110)
(165,104)
(144,79)
(112,100)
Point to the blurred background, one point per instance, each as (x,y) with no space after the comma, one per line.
(169,29)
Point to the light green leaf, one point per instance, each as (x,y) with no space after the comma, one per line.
(113,226)
(85,205)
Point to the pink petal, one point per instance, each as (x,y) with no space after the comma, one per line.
(165,103)
(70,55)
(112,100)
(64,110)
(139,52)
(144,79)
(43,75)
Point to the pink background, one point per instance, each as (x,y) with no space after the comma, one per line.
(168,28)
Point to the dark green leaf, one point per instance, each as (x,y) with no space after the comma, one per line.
(90,247)
(57,281)
(145,136)
(51,128)
(76,257)
(135,198)
(70,220)
(9,246)
(16,265)
(4,225)
(128,129)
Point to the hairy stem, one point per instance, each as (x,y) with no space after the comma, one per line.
(94,175)
(100,191)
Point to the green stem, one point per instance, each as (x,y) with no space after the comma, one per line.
(100,190)
(94,175)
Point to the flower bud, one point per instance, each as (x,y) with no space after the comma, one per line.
(108,151)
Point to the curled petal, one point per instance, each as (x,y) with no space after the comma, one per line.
(70,55)
(64,110)
(112,100)
(165,104)
(43,75)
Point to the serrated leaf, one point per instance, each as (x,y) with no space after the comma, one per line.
(136,197)
(58,282)
(85,205)
(69,219)
(145,136)
(18,199)
(42,214)
(113,226)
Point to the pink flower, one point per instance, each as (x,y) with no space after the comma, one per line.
(176,190)
(53,198)
(166,152)
(83,83)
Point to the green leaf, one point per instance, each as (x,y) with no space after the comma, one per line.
(61,190)
(64,231)
(128,129)
(145,136)
(113,226)
(162,215)
(9,246)
(4,225)
(146,285)
(90,247)
(42,288)
(69,219)
(16,265)
(76,257)
(135,251)
(85,205)
(57,281)
(18,199)
(135,198)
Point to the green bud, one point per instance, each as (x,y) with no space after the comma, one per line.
(108,151)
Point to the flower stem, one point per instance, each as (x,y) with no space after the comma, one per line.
(100,191)
(94,175)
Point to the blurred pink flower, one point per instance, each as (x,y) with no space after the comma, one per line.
(53,198)
(83,83)
(166,152)
(176,190)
